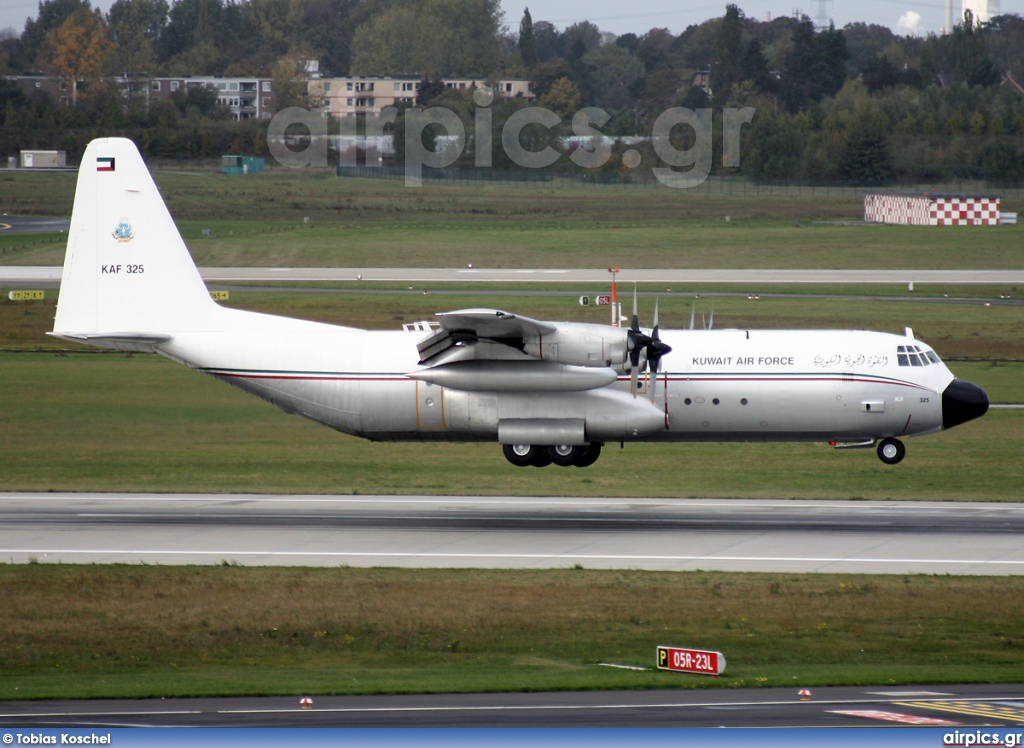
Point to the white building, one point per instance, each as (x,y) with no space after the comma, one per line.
(245,98)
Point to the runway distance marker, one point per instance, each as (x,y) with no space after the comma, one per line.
(698,661)
(26,295)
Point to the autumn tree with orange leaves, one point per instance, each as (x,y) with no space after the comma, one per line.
(77,50)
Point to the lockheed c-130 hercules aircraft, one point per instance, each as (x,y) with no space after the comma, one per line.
(546,391)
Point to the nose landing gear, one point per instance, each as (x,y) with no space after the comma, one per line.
(891,451)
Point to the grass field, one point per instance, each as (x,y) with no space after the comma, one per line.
(100,631)
(260,221)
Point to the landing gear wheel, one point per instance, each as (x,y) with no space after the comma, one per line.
(565,454)
(891,451)
(522,455)
(589,457)
(542,458)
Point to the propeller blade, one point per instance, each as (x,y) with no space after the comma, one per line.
(693,314)
(711,322)
(654,332)
(635,325)
(634,374)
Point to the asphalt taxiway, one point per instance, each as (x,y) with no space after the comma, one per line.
(49,276)
(515,532)
(32,224)
(948,706)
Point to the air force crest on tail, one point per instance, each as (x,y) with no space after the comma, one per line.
(123,232)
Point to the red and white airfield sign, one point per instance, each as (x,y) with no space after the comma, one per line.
(697,661)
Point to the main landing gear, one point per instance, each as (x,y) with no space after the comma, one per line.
(524,455)
(891,451)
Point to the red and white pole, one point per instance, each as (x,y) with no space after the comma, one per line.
(615,305)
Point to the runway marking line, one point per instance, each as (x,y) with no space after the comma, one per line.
(975,709)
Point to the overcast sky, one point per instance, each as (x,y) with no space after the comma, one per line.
(638,16)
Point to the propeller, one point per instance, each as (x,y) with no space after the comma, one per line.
(639,342)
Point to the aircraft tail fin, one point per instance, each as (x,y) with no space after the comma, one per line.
(128,278)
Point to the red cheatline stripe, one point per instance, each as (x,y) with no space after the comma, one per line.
(310,377)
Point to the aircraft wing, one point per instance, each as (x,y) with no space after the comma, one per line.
(470,326)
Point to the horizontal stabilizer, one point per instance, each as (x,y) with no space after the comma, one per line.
(138,342)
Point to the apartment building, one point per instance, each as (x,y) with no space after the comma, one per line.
(351,95)
(245,98)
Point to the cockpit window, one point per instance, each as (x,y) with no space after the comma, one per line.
(912,355)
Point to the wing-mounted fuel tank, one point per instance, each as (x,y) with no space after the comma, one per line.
(528,375)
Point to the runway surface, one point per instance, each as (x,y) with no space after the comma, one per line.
(515,532)
(864,706)
(50,276)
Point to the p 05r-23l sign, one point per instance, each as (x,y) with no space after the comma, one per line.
(696,661)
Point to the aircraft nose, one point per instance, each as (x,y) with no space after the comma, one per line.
(962,402)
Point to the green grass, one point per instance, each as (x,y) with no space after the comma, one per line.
(260,221)
(123,631)
(107,422)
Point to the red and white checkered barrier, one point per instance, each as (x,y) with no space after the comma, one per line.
(964,211)
(931,210)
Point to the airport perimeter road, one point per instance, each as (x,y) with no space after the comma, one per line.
(515,532)
(864,706)
(50,276)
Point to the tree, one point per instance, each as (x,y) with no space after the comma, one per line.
(755,66)
(77,51)
(879,73)
(430,89)
(327,27)
(135,28)
(189,36)
(401,39)
(727,67)
(527,49)
(655,50)
(866,159)
(973,65)
(815,65)
(447,37)
(198,101)
(290,84)
(547,40)
(563,98)
(52,15)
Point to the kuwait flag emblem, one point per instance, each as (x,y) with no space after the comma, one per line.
(105,164)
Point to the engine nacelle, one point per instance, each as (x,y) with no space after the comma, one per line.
(581,344)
